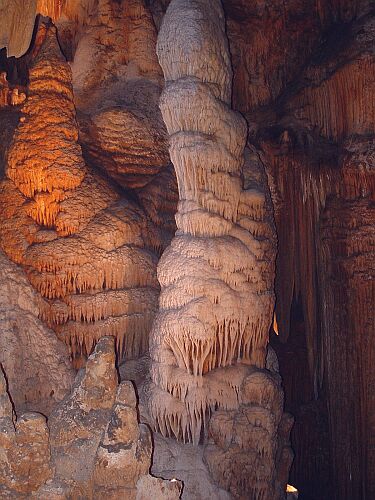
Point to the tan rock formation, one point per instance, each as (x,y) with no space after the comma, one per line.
(210,336)
(154,487)
(214,311)
(93,445)
(25,455)
(117,83)
(245,444)
(36,363)
(174,459)
(17,97)
(18,17)
(92,282)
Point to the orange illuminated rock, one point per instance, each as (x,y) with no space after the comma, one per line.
(84,248)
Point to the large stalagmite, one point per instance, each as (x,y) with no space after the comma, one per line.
(216,301)
(216,277)
(84,248)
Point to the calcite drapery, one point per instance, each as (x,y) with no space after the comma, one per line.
(216,277)
(325,187)
(315,124)
(17,23)
(54,209)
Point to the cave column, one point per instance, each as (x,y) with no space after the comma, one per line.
(209,339)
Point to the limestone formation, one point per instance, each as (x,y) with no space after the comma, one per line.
(4,90)
(249,127)
(154,487)
(36,363)
(245,444)
(18,17)
(117,83)
(333,155)
(216,278)
(215,311)
(54,208)
(9,96)
(311,117)
(93,445)
(25,455)
(174,459)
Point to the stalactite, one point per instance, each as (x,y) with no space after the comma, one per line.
(261,68)
(324,262)
(336,100)
(18,17)
(50,8)
(346,277)
(84,249)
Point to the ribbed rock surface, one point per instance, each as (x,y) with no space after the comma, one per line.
(85,249)
(308,101)
(216,278)
(347,280)
(303,76)
(17,23)
(245,444)
(214,311)
(117,83)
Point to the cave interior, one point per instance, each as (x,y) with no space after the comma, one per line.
(187,249)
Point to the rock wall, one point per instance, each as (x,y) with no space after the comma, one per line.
(117,83)
(347,273)
(37,364)
(314,127)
